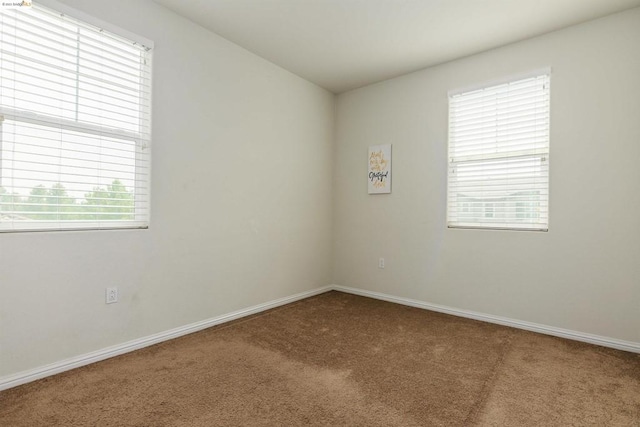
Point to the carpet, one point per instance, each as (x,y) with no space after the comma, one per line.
(343,360)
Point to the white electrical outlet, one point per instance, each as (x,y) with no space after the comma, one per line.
(111,295)
(381,263)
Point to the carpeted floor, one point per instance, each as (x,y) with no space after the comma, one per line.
(342,360)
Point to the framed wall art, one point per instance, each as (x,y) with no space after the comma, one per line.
(380,169)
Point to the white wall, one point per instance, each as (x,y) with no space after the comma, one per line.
(584,274)
(241,205)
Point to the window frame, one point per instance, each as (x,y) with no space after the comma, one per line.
(142,139)
(468,205)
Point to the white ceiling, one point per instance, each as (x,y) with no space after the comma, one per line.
(345,44)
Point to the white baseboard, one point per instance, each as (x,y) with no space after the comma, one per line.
(116,350)
(106,353)
(630,346)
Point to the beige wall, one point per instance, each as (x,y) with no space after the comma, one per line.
(584,274)
(241,205)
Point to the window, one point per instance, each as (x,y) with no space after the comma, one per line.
(499,155)
(74,124)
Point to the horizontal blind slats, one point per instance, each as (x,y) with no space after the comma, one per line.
(70,126)
(486,122)
(38,56)
(98,116)
(69,58)
(496,106)
(75,125)
(10,199)
(498,156)
(56,24)
(33,32)
(519,109)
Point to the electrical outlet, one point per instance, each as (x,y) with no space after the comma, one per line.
(111,295)
(381,263)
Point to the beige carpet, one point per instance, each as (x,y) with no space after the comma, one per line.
(343,360)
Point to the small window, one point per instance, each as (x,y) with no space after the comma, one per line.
(74,124)
(499,155)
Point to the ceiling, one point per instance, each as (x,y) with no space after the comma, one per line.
(345,44)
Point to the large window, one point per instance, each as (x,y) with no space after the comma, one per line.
(499,155)
(74,124)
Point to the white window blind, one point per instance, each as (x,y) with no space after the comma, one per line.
(499,155)
(74,124)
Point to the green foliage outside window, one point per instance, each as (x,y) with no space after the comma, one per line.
(114,202)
